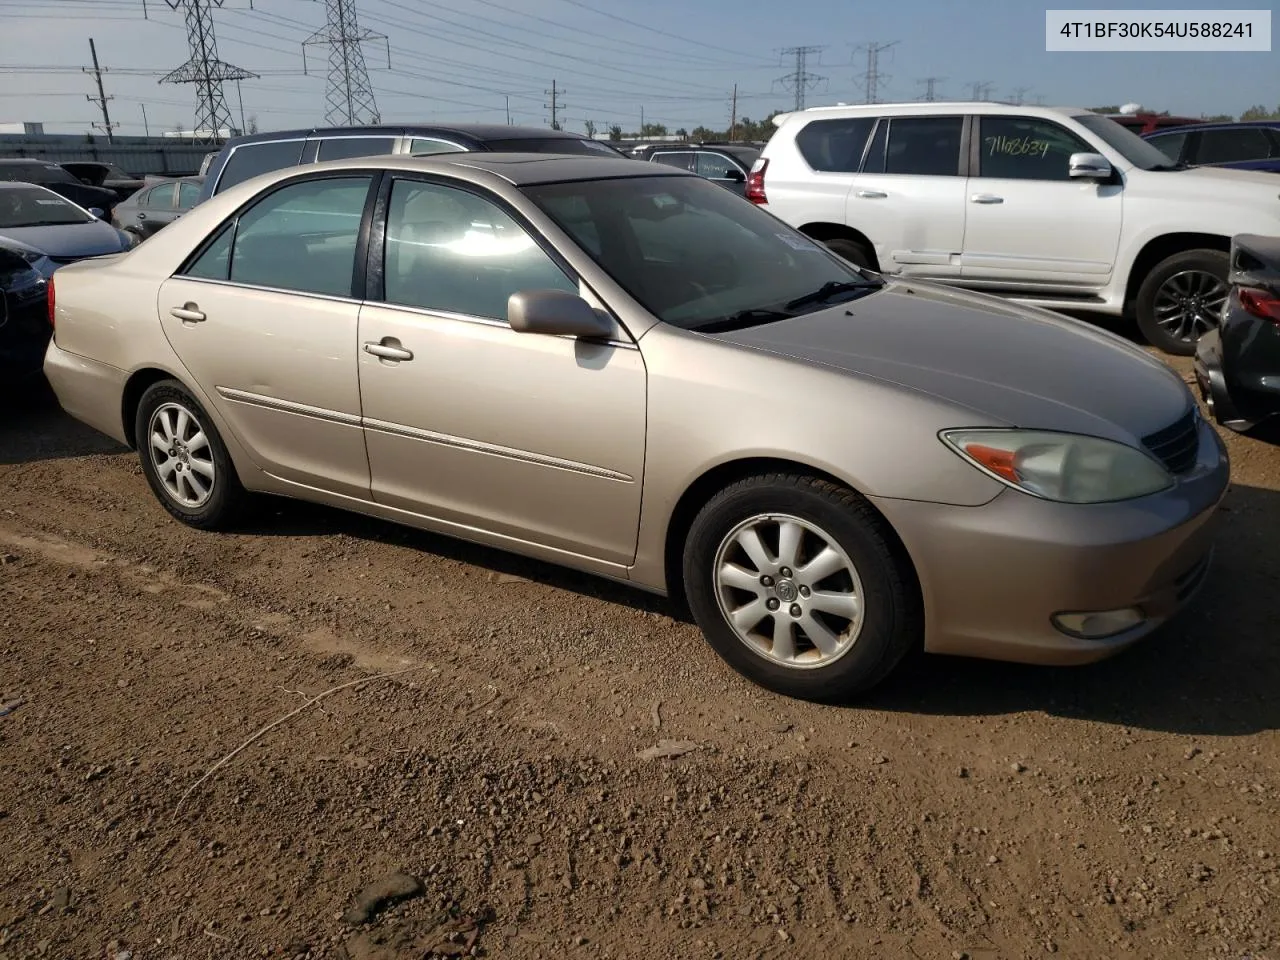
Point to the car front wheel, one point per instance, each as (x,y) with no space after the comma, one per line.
(184,459)
(799,585)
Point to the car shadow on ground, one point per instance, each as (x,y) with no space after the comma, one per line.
(1213,671)
(33,427)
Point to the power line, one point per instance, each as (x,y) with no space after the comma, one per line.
(931,87)
(873,78)
(800,80)
(204,69)
(348,94)
(102,98)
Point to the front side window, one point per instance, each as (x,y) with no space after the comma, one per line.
(301,238)
(681,161)
(345,148)
(834,146)
(1233,146)
(426,146)
(254,159)
(451,250)
(715,166)
(1025,148)
(693,253)
(1170,144)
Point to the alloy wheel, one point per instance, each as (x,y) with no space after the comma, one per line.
(182,455)
(1190,303)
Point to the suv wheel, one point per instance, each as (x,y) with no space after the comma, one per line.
(796,583)
(852,251)
(1182,298)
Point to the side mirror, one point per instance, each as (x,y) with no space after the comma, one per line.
(98,212)
(1092,166)
(736,175)
(555,313)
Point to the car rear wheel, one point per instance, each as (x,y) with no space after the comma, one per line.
(1182,298)
(852,251)
(184,459)
(798,584)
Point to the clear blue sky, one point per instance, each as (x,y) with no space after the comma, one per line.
(676,59)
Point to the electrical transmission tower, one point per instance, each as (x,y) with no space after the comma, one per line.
(873,79)
(980,89)
(348,94)
(555,106)
(1019,95)
(800,80)
(205,70)
(931,87)
(102,98)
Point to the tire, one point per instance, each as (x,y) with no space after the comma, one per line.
(852,251)
(868,646)
(1200,276)
(210,496)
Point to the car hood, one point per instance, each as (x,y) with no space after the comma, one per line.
(1256,184)
(67,240)
(1010,365)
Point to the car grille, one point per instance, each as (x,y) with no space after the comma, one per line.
(1177,445)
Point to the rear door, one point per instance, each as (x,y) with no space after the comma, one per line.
(156,208)
(908,197)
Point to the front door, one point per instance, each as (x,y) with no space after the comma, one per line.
(531,438)
(908,199)
(265,322)
(1030,226)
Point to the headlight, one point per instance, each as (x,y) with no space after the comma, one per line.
(1064,467)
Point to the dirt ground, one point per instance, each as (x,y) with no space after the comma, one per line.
(969,809)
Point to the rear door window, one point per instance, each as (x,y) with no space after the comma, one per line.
(681,161)
(344,148)
(188,194)
(715,166)
(252,159)
(834,146)
(426,146)
(921,147)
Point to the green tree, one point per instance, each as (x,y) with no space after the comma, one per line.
(1259,112)
(615,132)
(701,133)
(653,130)
(591,129)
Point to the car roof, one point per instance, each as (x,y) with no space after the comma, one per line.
(475,131)
(518,169)
(931,106)
(23,184)
(1221,125)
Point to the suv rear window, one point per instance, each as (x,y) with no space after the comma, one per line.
(834,146)
(252,159)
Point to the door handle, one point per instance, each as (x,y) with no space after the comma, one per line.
(187,313)
(872,194)
(985,198)
(387,351)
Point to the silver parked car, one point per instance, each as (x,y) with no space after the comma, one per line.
(627,369)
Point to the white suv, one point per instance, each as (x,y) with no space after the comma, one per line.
(1054,206)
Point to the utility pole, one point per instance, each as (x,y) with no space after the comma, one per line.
(800,80)
(240,98)
(873,79)
(507,98)
(980,89)
(733,115)
(102,98)
(348,94)
(146,127)
(555,93)
(642,119)
(1018,94)
(931,86)
(204,69)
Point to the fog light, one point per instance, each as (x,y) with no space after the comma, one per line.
(1099,624)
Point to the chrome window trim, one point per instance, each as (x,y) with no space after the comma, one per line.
(266,289)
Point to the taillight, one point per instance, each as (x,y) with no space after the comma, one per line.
(755,181)
(50,297)
(1264,304)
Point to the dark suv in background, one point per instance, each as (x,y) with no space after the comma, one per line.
(246,157)
(1251,145)
(726,163)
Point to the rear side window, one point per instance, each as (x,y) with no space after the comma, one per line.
(1230,146)
(252,159)
(188,194)
(682,161)
(301,237)
(917,146)
(426,146)
(344,148)
(834,146)
(161,196)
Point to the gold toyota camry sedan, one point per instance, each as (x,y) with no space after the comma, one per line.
(624,368)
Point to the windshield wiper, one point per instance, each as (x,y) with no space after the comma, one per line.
(743,318)
(50,223)
(831,289)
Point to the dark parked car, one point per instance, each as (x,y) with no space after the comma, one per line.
(24,320)
(60,181)
(104,175)
(1238,365)
(1252,145)
(157,205)
(47,230)
(244,157)
(726,163)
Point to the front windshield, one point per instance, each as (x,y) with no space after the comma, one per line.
(693,253)
(1124,141)
(35,207)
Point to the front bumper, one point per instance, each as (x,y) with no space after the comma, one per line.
(992,577)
